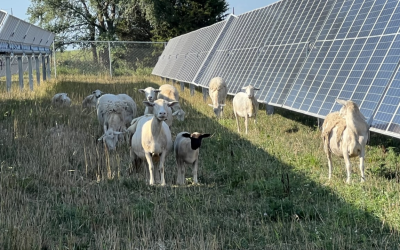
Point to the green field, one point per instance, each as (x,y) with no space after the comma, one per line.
(60,189)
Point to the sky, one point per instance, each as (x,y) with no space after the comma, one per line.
(18,8)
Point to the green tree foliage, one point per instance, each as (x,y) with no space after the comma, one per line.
(171,18)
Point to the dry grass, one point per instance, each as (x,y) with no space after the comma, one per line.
(59,188)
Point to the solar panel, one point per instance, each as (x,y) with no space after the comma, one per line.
(303,54)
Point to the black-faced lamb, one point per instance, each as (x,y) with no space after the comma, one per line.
(186,148)
(218,91)
(61,100)
(245,105)
(345,134)
(152,140)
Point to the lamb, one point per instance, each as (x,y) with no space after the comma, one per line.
(345,134)
(245,105)
(61,100)
(150,93)
(90,101)
(218,92)
(170,94)
(152,140)
(186,147)
(114,113)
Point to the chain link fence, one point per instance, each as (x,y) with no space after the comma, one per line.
(116,58)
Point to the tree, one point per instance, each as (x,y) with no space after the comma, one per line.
(171,18)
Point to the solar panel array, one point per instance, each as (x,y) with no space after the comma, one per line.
(302,54)
(18,36)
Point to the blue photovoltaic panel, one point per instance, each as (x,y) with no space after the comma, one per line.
(303,54)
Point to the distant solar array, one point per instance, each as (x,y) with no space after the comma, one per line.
(21,45)
(302,54)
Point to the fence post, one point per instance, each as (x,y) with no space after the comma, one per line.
(20,73)
(109,57)
(8,73)
(30,72)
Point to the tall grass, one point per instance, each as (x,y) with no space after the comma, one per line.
(60,189)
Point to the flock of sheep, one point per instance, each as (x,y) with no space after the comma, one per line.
(344,133)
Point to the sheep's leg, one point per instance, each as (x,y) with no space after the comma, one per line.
(151,167)
(329,156)
(161,167)
(180,178)
(348,164)
(362,154)
(237,121)
(194,171)
(246,122)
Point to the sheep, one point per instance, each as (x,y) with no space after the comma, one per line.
(245,105)
(114,113)
(90,101)
(152,139)
(345,134)
(61,100)
(186,148)
(218,92)
(170,116)
(150,93)
(170,94)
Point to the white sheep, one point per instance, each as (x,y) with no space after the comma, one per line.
(150,93)
(61,100)
(186,147)
(152,139)
(218,92)
(170,94)
(90,101)
(245,105)
(345,134)
(114,113)
(170,116)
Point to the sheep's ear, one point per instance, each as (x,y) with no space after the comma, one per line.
(210,105)
(244,87)
(170,104)
(186,135)
(118,132)
(157,90)
(222,105)
(205,135)
(343,102)
(175,113)
(101,138)
(141,90)
(149,104)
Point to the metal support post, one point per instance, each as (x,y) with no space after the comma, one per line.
(48,73)
(37,70)
(44,67)
(20,73)
(30,70)
(8,73)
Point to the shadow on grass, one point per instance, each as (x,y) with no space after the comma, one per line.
(249,198)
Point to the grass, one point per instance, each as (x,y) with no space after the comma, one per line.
(59,188)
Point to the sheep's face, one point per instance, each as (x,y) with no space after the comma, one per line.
(160,107)
(179,115)
(150,93)
(195,139)
(218,110)
(110,138)
(249,90)
(97,93)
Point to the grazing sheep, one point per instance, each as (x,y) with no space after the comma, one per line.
(90,101)
(150,93)
(114,113)
(245,105)
(152,139)
(61,100)
(345,134)
(186,147)
(218,92)
(170,94)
